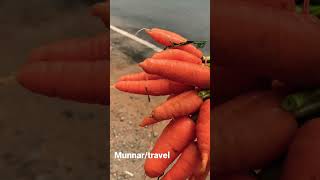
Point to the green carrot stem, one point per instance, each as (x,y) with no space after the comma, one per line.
(308,110)
(198,44)
(204,94)
(296,101)
(304,104)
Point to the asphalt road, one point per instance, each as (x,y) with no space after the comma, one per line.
(191,18)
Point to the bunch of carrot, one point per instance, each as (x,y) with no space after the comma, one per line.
(73,69)
(256,130)
(179,72)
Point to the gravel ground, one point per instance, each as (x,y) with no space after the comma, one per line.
(127,111)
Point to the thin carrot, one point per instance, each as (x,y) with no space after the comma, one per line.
(139,76)
(185,165)
(147,121)
(156,87)
(82,81)
(167,38)
(184,72)
(80,49)
(173,139)
(253,127)
(198,175)
(255,48)
(171,96)
(232,82)
(303,160)
(179,105)
(183,104)
(176,54)
(203,133)
(101,10)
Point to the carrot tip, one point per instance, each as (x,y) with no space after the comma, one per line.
(141,64)
(147,121)
(204,163)
(192,177)
(142,29)
(142,124)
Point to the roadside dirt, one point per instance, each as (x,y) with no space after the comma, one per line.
(127,111)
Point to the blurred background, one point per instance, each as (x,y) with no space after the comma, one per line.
(46,138)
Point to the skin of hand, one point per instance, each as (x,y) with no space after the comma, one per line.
(75,69)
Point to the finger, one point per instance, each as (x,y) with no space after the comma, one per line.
(251,127)
(101,10)
(263,40)
(231,82)
(80,49)
(82,81)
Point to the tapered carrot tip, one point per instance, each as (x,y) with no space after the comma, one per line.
(142,64)
(117,85)
(27,77)
(204,163)
(147,30)
(147,121)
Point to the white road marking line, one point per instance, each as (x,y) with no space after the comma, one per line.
(135,38)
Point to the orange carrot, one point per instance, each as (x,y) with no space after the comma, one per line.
(255,48)
(167,38)
(171,96)
(157,87)
(147,121)
(174,138)
(81,49)
(197,174)
(139,76)
(176,54)
(250,131)
(151,120)
(101,10)
(82,81)
(232,82)
(184,72)
(204,175)
(303,161)
(203,133)
(185,165)
(183,104)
